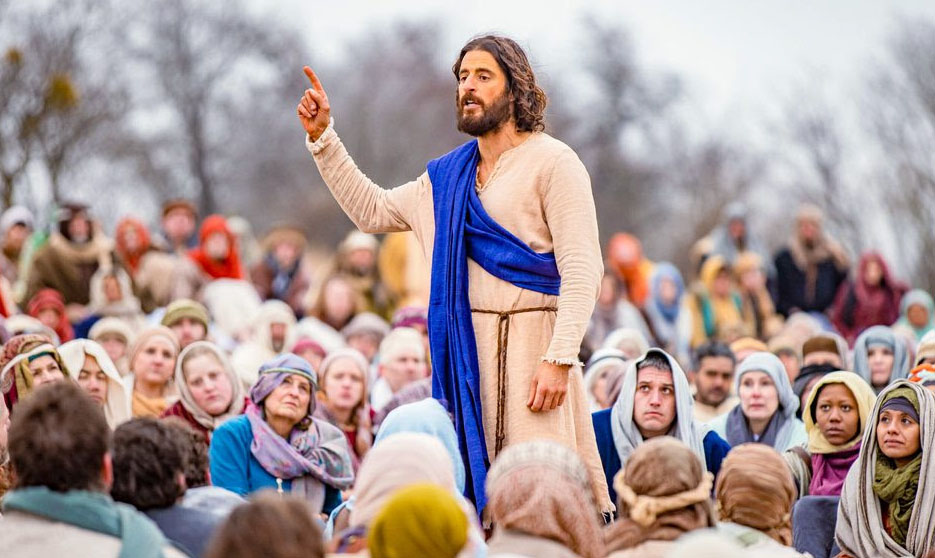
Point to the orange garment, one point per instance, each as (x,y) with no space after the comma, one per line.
(625,258)
(228,268)
(132,259)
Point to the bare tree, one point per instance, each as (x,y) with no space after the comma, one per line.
(901,107)
(53,102)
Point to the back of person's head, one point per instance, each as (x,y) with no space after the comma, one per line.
(59,439)
(271,526)
(195,449)
(422,520)
(149,464)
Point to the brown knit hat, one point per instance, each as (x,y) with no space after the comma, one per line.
(185,308)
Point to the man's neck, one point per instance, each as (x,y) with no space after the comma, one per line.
(494,144)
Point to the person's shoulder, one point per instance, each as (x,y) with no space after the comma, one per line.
(27,535)
(543,145)
(237,427)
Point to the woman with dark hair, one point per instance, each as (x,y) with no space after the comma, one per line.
(887,506)
(278,443)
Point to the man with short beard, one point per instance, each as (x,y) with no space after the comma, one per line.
(713,378)
(508,222)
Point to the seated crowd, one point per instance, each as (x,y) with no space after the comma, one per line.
(166,393)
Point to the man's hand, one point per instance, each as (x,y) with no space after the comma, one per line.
(548,388)
(314,110)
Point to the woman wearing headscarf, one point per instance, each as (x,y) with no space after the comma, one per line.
(29,361)
(916,314)
(716,306)
(111,297)
(664,493)
(766,413)
(627,340)
(872,299)
(217,253)
(116,337)
(625,258)
(398,462)
(152,363)
(210,392)
(48,307)
(755,494)
(92,368)
(887,506)
(600,367)
(343,398)
(655,400)
(759,314)
(669,320)
(421,417)
(420,521)
(539,499)
(278,444)
(880,356)
(836,414)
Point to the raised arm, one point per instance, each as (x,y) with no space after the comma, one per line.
(372,208)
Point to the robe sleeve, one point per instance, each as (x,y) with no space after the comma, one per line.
(572,220)
(229,460)
(372,208)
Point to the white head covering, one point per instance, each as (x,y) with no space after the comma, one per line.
(117,404)
(770,364)
(15,214)
(618,336)
(625,432)
(885,336)
(185,394)
(859,529)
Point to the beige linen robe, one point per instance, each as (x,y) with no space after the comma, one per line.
(540,192)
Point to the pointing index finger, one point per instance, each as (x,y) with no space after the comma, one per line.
(313,79)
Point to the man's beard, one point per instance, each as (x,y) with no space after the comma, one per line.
(490,119)
(712,398)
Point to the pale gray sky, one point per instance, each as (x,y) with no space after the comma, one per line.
(739,59)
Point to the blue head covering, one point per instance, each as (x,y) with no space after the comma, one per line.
(665,270)
(273,372)
(881,335)
(426,417)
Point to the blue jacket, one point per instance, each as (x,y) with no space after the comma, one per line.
(715,449)
(234,467)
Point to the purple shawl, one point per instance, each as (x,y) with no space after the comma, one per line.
(829,471)
(315,448)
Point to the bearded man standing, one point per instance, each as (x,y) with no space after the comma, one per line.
(509,224)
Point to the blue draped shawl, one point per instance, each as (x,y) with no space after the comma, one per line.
(464,230)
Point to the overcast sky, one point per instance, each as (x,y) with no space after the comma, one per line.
(739,59)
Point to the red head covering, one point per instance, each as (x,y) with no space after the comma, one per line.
(132,259)
(52,299)
(229,267)
(625,256)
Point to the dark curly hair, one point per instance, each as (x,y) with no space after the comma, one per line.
(148,459)
(58,439)
(529,100)
(195,446)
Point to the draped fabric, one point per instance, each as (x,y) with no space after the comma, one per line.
(464,230)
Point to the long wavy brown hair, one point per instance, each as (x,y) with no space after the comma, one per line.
(529,100)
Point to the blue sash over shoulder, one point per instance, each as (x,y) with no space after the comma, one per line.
(464,230)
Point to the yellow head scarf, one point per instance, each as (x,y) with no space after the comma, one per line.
(863,394)
(420,521)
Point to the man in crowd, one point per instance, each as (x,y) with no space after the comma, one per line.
(520,305)
(59,445)
(402,361)
(188,319)
(810,268)
(149,474)
(714,379)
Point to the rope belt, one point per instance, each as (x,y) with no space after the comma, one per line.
(503,336)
